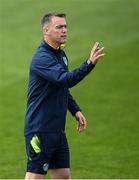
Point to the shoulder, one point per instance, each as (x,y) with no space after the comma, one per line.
(42,52)
(43,56)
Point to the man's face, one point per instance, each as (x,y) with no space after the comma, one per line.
(57,30)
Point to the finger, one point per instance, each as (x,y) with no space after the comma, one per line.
(84,121)
(95,46)
(79,130)
(85,126)
(98,47)
(99,51)
(81,121)
(81,124)
(82,127)
(100,55)
(79,127)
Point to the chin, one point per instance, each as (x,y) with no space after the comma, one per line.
(63,42)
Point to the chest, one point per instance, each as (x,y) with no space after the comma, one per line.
(62,59)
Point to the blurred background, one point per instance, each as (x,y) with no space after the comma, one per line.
(108,97)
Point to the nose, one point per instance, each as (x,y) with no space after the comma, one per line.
(64,29)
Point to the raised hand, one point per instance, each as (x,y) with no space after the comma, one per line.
(96,53)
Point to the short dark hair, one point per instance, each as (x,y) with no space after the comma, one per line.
(47,17)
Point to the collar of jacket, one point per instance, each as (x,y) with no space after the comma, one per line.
(47,46)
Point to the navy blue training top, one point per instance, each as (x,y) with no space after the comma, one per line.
(48,90)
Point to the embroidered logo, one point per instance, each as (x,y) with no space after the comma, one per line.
(45,167)
(65,60)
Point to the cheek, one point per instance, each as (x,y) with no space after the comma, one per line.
(56,34)
(52,32)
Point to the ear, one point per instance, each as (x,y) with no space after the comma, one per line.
(46,30)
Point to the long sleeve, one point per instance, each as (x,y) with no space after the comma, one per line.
(51,70)
(73,107)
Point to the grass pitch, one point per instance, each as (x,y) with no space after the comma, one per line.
(108,97)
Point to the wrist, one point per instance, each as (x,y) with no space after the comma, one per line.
(76,114)
(89,61)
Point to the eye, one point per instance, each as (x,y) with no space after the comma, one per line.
(61,26)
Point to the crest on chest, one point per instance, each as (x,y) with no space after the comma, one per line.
(65,60)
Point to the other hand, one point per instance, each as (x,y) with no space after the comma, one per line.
(81,126)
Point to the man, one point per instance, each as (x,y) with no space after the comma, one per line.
(48,100)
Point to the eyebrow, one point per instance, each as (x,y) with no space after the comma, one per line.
(61,26)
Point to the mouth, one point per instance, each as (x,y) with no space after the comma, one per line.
(64,36)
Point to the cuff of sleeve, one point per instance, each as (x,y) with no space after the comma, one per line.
(89,66)
(89,62)
(74,112)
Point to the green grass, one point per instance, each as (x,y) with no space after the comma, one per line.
(108,97)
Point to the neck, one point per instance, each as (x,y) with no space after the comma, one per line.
(52,44)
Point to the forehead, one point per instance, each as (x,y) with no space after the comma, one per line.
(58,20)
